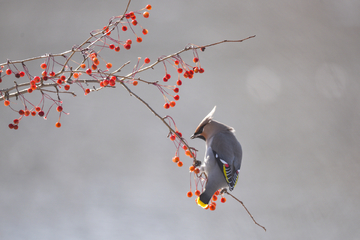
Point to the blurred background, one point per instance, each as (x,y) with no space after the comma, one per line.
(291,93)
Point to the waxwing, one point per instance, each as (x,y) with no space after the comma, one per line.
(222,159)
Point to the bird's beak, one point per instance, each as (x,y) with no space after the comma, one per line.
(193,136)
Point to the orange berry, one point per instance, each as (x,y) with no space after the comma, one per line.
(189,194)
(223,200)
(93,67)
(145,31)
(176,159)
(96,61)
(196,69)
(6,103)
(172,104)
(212,207)
(135,83)
(166,105)
(191,168)
(76,75)
(134,22)
(180,164)
(172,137)
(188,153)
(197,193)
(214,198)
(146,14)
(58,124)
(176,62)
(38,109)
(59,108)
(43,66)
(196,170)
(139,39)
(83,65)
(33,113)
(178,82)
(217,192)
(184,147)
(117,49)
(109,65)
(36,79)
(148,7)
(195,60)
(27,112)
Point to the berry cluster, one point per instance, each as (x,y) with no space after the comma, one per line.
(94,69)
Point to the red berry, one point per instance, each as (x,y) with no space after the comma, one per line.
(178,82)
(197,193)
(165,79)
(33,113)
(29,90)
(108,65)
(129,41)
(8,71)
(43,66)
(17,75)
(176,97)
(139,39)
(223,200)
(87,91)
(176,90)
(147,60)
(195,60)
(145,31)
(212,207)
(124,28)
(180,164)
(52,74)
(59,108)
(146,14)
(217,192)
(58,124)
(111,46)
(197,170)
(172,104)
(11,126)
(134,22)
(37,79)
(179,70)
(166,105)
(117,49)
(148,7)
(127,46)
(112,82)
(27,112)
(21,112)
(41,113)
(168,76)
(176,62)
(16,121)
(88,71)
(6,103)
(22,74)
(189,194)
(201,70)
(135,83)
(67,87)
(214,197)
(172,137)
(38,109)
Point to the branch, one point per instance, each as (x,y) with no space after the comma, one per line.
(224,190)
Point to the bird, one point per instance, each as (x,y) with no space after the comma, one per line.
(222,160)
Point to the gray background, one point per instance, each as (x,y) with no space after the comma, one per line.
(291,93)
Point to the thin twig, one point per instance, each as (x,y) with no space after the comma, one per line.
(224,190)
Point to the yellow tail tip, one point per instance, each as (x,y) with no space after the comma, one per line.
(200,203)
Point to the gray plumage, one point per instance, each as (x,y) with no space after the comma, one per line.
(222,159)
